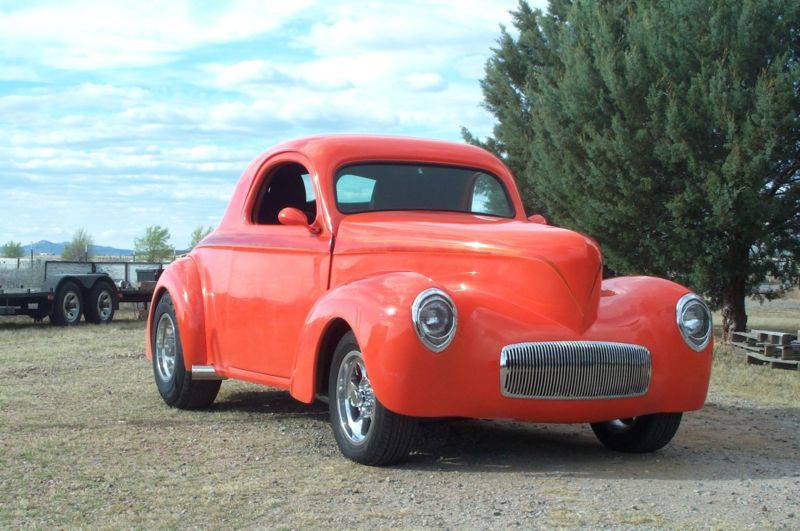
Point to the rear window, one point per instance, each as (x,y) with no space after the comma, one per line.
(392,186)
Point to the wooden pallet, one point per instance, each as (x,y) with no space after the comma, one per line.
(779,349)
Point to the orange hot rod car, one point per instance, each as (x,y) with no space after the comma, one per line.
(399,279)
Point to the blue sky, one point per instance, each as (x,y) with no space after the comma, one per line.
(119,115)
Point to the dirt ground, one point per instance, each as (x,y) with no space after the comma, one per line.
(86,441)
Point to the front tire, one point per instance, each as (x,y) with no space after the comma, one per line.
(174,382)
(638,435)
(365,430)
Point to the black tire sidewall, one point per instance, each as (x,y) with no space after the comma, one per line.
(170,390)
(92,311)
(57,314)
(648,434)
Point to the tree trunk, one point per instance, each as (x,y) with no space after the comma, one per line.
(734,317)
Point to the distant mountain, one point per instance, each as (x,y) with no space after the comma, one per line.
(47,247)
(102,250)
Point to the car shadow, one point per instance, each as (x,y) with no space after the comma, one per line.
(271,401)
(719,442)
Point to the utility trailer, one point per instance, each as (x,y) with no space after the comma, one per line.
(91,289)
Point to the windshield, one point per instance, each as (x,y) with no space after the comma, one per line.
(394,186)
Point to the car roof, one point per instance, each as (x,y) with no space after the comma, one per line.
(325,154)
(338,149)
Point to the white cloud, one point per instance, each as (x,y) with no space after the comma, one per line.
(425,82)
(108,136)
(91,96)
(246,73)
(251,75)
(376,25)
(85,35)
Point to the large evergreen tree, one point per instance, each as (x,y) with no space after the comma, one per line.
(669,131)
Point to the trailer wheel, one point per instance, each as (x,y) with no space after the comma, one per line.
(67,305)
(100,306)
(174,382)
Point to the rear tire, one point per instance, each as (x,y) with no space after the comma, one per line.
(365,430)
(174,382)
(67,305)
(100,306)
(639,434)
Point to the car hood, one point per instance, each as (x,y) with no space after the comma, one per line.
(525,260)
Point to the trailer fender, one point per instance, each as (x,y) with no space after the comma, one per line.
(85,281)
(182,281)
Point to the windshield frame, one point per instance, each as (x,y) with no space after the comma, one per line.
(338,175)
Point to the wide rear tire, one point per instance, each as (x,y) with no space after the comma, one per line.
(365,430)
(638,435)
(174,382)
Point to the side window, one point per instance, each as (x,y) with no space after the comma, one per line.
(354,193)
(489,197)
(287,186)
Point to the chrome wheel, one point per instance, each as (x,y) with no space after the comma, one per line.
(621,425)
(71,305)
(166,347)
(355,399)
(105,306)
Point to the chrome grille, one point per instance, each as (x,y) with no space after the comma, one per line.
(573,370)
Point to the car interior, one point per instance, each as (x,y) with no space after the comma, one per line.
(288,186)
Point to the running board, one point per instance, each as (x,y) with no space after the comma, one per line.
(205,372)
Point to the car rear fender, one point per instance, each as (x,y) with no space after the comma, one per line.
(377,309)
(182,281)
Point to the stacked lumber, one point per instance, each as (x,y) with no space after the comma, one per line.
(779,349)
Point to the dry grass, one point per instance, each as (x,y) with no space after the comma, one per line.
(85,440)
(732,377)
(782,315)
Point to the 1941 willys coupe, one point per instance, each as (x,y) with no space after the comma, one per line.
(399,279)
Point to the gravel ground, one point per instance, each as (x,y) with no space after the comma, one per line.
(732,465)
(85,441)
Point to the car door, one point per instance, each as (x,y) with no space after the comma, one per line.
(276,273)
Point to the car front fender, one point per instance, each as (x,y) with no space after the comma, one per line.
(378,311)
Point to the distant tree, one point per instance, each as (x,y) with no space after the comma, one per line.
(154,245)
(11,249)
(198,234)
(78,249)
(668,131)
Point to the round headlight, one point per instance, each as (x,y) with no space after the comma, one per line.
(434,316)
(694,321)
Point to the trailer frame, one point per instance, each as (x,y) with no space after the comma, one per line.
(65,297)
